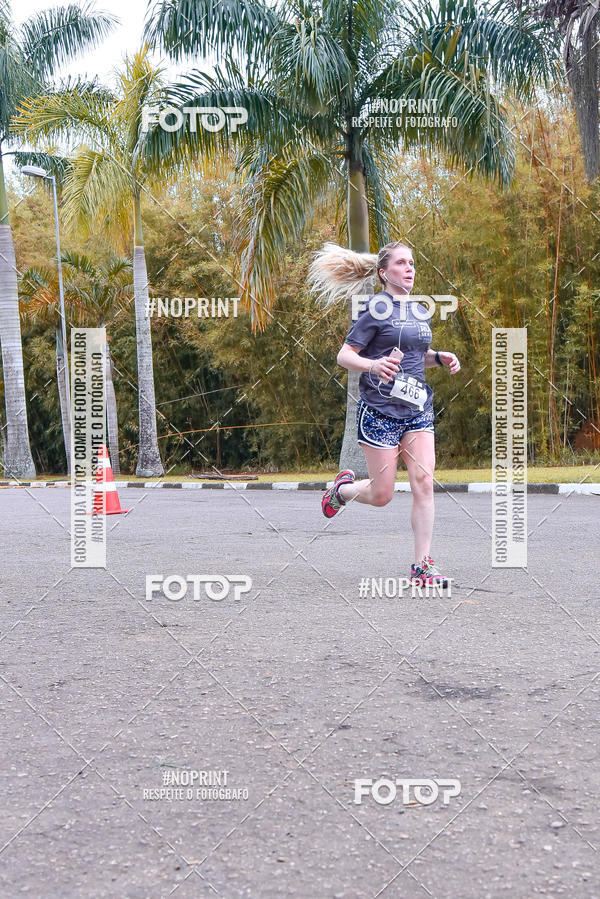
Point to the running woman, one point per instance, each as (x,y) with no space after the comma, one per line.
(388,425)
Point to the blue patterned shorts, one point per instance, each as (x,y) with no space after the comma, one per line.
(381,431)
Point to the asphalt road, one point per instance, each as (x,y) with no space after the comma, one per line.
(291,692)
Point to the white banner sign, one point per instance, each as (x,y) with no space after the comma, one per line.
(88,436)
(509,447)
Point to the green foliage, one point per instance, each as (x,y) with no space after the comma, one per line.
(321,69)
(496,251)
(499,253)
(222,364)
(43,409)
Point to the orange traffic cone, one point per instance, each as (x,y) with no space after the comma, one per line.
(106,498)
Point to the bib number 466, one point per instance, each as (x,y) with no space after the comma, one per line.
(409,391)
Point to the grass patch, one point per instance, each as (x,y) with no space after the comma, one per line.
(543,474)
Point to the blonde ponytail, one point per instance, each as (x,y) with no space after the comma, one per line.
(337,272)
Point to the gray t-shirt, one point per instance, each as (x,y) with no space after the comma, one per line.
(382,325)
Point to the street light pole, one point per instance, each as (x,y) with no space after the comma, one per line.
(37,172)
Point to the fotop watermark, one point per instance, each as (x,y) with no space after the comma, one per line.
(188,784)
(398,587)
(216,587)
(421,791)
(188,307)
(210,118)
(403,112)
(383,308)
(509,447)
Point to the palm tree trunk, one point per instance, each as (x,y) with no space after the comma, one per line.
(351,455)
(62,397)
(2,441)
(149,463)
(18,461)
(583,69)
(111,415)
(552,411)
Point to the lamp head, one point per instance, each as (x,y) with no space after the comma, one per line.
(35,171)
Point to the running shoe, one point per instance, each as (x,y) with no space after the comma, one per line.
(332,502)
(427,573)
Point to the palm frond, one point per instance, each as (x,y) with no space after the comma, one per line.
(358,26)
(98,189)
(141,87)
(274,208)
(35,279)
(38,294)
(97,289)
(16,82)
(80,262)
(52,37)
(46,159)
(438,70)
(516,51)
(271,120)
(310,62)
(5,17)
(83,110)
(199,27)
(119,270)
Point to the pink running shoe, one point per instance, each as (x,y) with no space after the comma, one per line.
(427,573)
(332,502)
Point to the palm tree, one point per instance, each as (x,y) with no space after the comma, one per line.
(38,290)
(311,73)
(104,186)
(29,56)
(579,23)
(102,292)
(96,295)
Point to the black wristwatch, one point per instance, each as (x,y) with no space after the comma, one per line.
(438,360)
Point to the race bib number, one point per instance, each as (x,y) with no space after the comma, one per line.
(409,391)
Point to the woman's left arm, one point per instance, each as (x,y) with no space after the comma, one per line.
(449,360)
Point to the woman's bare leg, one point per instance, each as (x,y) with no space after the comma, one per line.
(378,488)
(418,452)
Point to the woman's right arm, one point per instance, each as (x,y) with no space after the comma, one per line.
(385,367)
